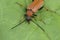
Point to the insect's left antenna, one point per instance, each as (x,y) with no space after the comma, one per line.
(41,29)
(17,24)
(20,4)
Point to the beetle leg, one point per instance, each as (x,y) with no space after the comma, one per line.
(34,18)
(34,15)
(42,21)
(49,10)
(41,29)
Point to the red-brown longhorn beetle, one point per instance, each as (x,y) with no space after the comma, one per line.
(31,10)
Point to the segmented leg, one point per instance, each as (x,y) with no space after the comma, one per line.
(42,29)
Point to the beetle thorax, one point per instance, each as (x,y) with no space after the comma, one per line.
(29,13)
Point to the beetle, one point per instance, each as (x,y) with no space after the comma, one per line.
(30,13)
(31,10)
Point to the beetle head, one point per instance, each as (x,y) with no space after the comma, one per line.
(28,18)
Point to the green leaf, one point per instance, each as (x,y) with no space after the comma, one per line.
(11,14)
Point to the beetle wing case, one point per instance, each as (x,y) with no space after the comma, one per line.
(38,6)
(32,4)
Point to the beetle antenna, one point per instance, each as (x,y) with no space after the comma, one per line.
(41,29)
(18,24)
(20,4)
